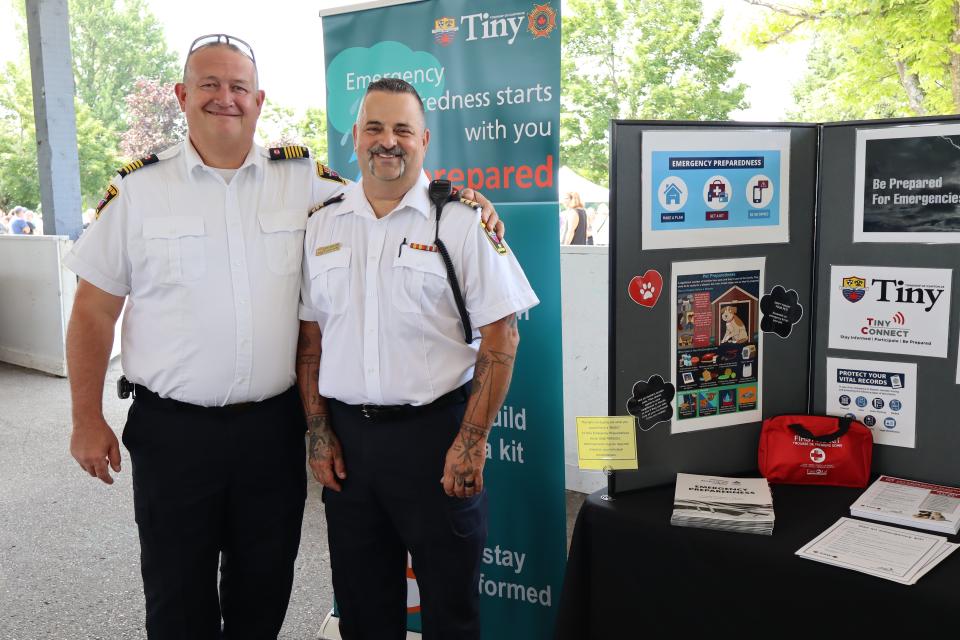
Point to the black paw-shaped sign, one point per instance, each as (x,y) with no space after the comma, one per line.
(781,309)
(650,403)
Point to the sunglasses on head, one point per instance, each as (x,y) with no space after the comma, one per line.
(222,38)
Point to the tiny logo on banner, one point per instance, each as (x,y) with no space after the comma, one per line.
(854,288)
(542,20)
(817,455)
(444,30)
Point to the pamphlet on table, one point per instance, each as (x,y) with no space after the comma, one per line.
(914,504)
(729,504)
(900,555)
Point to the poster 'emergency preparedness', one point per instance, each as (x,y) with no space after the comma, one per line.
(717,343)
(713,188)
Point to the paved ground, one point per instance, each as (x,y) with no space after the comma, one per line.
(69,567)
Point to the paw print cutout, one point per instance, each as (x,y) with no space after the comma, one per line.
(645,290)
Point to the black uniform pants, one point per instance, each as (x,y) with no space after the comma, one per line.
(217,486)
(392,501)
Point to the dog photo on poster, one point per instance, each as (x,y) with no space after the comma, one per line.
(717,343)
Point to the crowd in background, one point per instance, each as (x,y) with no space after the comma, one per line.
(581,224)
(20,221)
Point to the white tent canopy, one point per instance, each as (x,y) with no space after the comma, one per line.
(589,192)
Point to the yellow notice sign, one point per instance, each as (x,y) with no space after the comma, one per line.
(606,442)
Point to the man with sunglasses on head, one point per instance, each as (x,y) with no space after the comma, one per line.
(204,243)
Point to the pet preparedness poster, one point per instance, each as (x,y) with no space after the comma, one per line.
(717,343)
(714,188)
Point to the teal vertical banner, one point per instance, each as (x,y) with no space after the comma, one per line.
(489,75)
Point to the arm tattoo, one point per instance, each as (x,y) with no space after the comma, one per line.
(322,438)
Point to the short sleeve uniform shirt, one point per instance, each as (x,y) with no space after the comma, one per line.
(211,266)
(379,291)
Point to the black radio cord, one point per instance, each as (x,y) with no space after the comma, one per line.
(440,191)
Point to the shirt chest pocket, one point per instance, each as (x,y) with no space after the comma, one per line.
(419,281)
(174,248)
(330,281)
(283,239)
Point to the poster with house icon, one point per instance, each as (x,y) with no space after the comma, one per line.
(717,343)
(714,188)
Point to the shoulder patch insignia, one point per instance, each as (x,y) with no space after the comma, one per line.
(127,169)
(494,240)
(337,198)
(112,192)
(326,173)
(289,152)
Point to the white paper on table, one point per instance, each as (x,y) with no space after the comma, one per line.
(911,503)
(875,549)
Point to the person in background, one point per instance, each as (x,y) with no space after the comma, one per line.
(601,225)
(591,212)
(36,223)
(574,219)
(4,223)
(20,225)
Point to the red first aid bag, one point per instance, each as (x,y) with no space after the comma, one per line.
(798,449)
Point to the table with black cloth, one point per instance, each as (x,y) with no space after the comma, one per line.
(630,573)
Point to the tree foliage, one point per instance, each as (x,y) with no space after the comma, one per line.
(871,58)
(18,149)
(113,43)
(638,59)
(280,126)
(156,121)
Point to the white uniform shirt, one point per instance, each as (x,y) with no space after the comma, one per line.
(391,331)
(212,271)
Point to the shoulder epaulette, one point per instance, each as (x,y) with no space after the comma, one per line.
(492,236)
(326,173)
(289,152)
(127,169)
(337,198)
(455,197)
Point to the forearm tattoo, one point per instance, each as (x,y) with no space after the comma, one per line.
(322,440)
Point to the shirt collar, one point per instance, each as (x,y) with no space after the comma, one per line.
(417,199)
(193,160)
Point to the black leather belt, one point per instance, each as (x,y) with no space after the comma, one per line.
(125,389)
(388,412)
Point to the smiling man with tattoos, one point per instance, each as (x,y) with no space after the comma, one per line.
(398,403)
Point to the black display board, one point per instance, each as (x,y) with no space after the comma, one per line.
(935,458)
(640,343)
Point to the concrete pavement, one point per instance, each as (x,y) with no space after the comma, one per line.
(69,553)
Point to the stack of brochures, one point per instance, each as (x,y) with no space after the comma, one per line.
(879,550)
(728,504)
(910,503)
